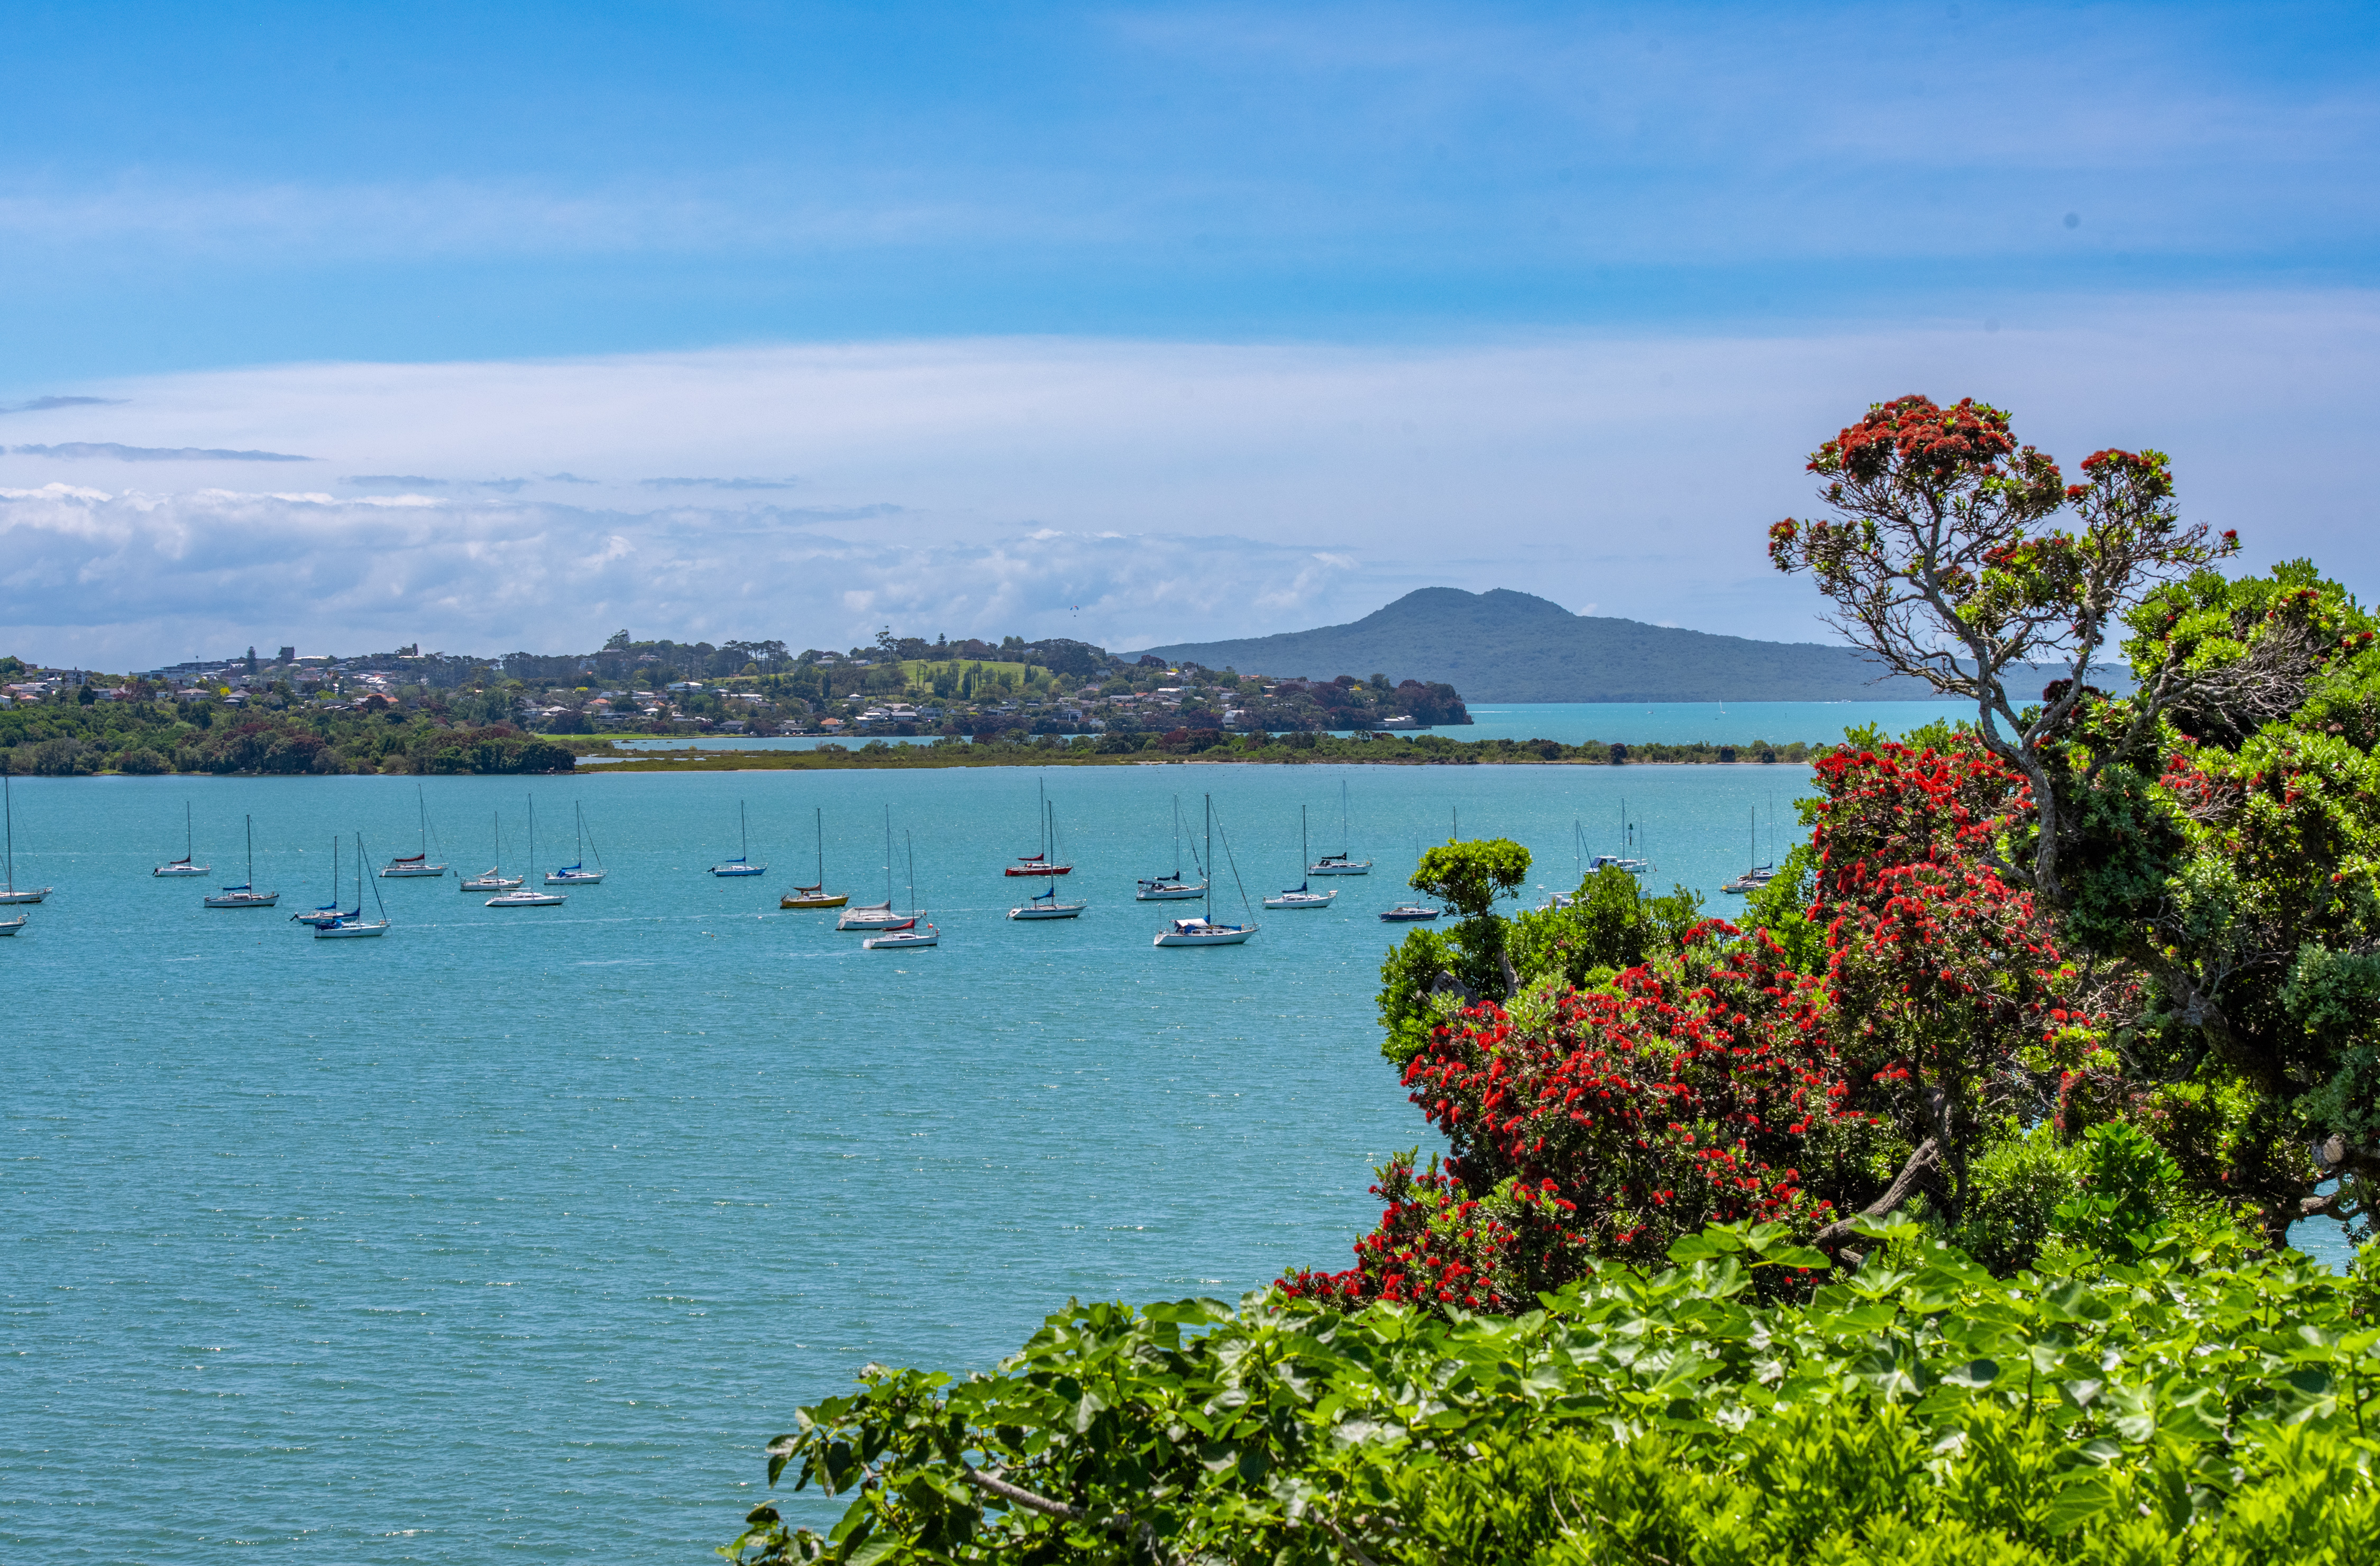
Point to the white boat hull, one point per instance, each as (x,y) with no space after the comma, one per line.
(1050,911)
(1171,894)
(1198,933)
(903,940)
(33,895)
(412,872)
(872,919)
(166,872)
(492,884)
(244,899)
(1338,868)
(1300,900)
(10,926)
(527,900)
(344,931)
(574,878)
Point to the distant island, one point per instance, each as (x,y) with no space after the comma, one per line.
(1507,646)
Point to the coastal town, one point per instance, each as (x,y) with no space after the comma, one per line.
(898,686)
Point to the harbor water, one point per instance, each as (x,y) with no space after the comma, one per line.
(518,1232)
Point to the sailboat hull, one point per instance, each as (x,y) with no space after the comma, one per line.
(573,877)
(1300,900)
(167,871)
(10,926)
(34,894)
(1049,910)
(491,884)
(727,870)
(527,900)
(244,899)
(412,872)
(1205,934)
(1339,867)
(346,932)
(1038,870)
(903,940)
(1169,894)
(823,899)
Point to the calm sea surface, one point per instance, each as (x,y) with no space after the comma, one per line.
(1571,723)
(517,1234)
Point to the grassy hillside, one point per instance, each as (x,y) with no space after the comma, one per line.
(1506,646)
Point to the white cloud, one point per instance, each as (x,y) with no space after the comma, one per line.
(1125,492)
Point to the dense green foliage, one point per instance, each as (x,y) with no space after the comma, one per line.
(68,739)
(1507,646)
(2184,1404)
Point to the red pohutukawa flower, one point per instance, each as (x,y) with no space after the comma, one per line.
(1716,1084)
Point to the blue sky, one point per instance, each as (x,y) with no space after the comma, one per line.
(1315,303)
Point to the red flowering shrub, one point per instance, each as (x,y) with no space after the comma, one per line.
(1714,1085)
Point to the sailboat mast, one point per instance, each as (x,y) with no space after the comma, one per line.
(820,821)
(1210,858)
(8,808)
(888,858)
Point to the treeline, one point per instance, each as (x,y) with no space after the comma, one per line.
(62,740)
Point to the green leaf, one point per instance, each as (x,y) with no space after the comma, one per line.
(1975,1375)
(2078,1500)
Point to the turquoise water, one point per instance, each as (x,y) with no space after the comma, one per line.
(1678,723)
(517,1234)
(1687,722)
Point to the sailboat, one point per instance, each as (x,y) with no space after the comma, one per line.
(575,872)
(1203,930)
(816,895)
(493,879)
(354,926)
(183,866)
(1342,862)
(415,867)
(1172,888)
(1759,875)
(741,863)
(1039,863)
(1624,860)
(527,896)
(1302,895)
(1045,904)
(879,915)
(328,912)
(912,934)
(12,894)
(245,895)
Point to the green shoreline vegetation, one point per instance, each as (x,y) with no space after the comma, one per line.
(1937,1212)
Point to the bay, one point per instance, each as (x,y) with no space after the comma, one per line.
(518,1232)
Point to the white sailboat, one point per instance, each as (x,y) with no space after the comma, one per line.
(1760,875)
(1045,904)
(524,896)
(1343,862)
(493,879)
(1302,895)
(916,933)
(741,863)
(1172,888)
(354,926)
(12,895)
(879,915)
(816,895)
(328,912)
(575,872)
(183,866)
(245,895)
(415,867)
(1204,930)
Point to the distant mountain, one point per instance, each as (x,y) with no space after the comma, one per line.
(1506,646)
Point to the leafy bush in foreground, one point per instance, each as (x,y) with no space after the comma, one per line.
(2162,1409)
